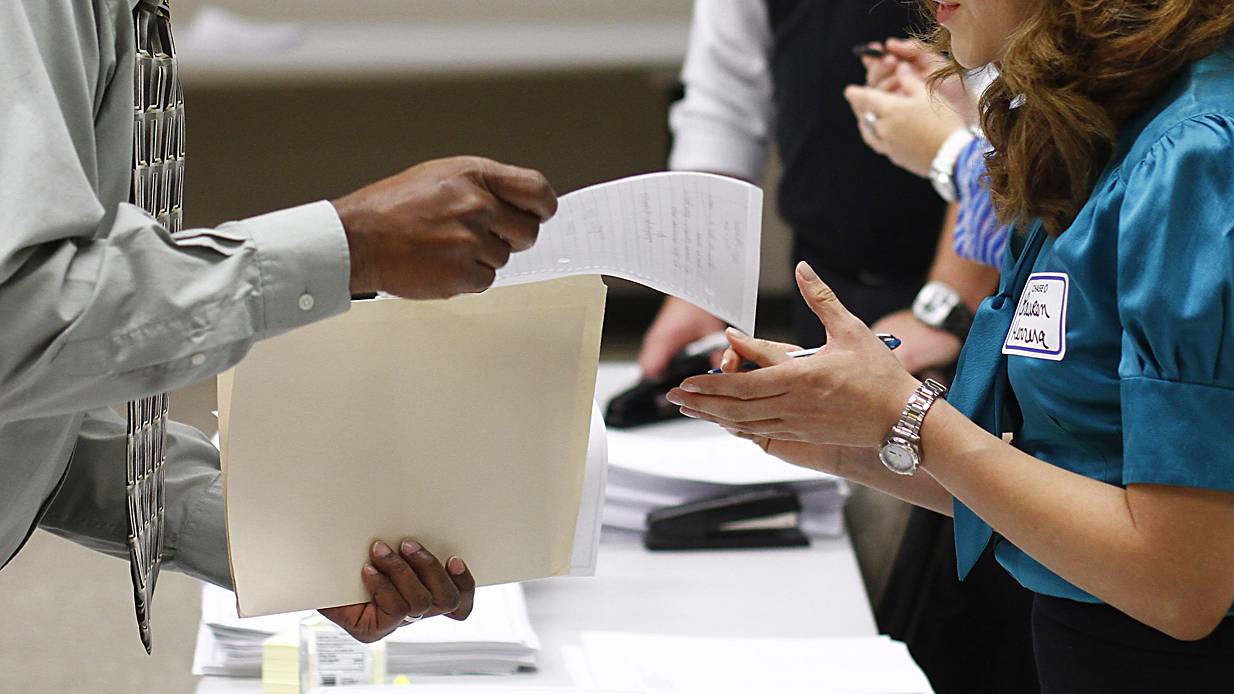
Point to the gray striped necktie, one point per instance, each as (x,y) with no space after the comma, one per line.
(158,188)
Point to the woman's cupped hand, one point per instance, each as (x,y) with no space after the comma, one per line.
(848,394)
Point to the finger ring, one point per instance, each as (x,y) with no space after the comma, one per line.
(871,120)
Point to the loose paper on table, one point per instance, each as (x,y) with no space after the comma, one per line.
(702,665)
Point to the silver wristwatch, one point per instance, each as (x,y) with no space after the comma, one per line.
(901,450)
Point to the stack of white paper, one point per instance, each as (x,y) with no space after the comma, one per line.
(694,665)
(496,640)
(671,463)
(456,689)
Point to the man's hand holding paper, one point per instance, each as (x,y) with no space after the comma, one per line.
(443,227)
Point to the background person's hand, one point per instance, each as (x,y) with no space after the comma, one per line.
(676,325)
(883,74)
(923,347)
(443,227)
(849,394)
(909,126)
(407,583)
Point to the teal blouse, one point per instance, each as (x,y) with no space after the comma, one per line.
(1122,358)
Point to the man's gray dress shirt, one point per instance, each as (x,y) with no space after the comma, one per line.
(99,305)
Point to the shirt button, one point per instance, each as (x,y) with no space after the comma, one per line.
(306,302)
(198,359)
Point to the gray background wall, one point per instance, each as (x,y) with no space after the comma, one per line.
(425,10)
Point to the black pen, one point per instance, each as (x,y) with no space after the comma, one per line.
(888,339)
(865,50)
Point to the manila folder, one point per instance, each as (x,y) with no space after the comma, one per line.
(462,423)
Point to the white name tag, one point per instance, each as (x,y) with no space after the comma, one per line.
(1039,328)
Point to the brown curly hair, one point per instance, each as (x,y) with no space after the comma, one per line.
(1083,68)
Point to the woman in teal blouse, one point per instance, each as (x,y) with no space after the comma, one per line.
(1107,353)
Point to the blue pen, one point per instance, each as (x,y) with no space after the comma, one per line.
(890,340)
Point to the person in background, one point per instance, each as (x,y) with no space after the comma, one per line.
(104,299)
(1106,353)
(934,134)
(764,72)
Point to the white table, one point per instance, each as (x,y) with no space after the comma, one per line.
(798,592)
(805,592)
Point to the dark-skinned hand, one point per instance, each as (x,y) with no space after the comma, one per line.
(443,227)
(407,585)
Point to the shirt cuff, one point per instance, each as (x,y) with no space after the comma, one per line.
(305,265)
(695,149)
(1174,434)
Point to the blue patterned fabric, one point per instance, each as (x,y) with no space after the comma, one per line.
(978,234)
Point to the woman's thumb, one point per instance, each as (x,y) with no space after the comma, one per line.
(822,300)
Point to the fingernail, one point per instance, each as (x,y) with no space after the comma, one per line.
(370,570)
(689,413)
(807,272)
(674,398)
(735,333)
(381,549)
(689,388)
(456,566)
(410,547)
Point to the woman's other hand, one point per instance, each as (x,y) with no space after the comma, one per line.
(924,347)
(848,394)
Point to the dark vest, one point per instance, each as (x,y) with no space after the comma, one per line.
(867,218)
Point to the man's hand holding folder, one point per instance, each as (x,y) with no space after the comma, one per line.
(407,586)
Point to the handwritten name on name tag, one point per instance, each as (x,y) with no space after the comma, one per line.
(1039,328)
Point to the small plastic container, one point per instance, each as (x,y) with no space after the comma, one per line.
(330,657)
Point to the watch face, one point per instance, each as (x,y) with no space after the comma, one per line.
(898,458)
(934,303)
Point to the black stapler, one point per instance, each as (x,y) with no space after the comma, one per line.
(749,519)
(645,402)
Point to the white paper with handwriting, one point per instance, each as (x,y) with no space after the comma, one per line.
(693,235)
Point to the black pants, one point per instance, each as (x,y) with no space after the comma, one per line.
(970,636)
(1092,649)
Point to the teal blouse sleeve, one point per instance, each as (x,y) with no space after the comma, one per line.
(1176,308)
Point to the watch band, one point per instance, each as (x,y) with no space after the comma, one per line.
(940,306)
(942,170)
(906,432)
(959,321)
